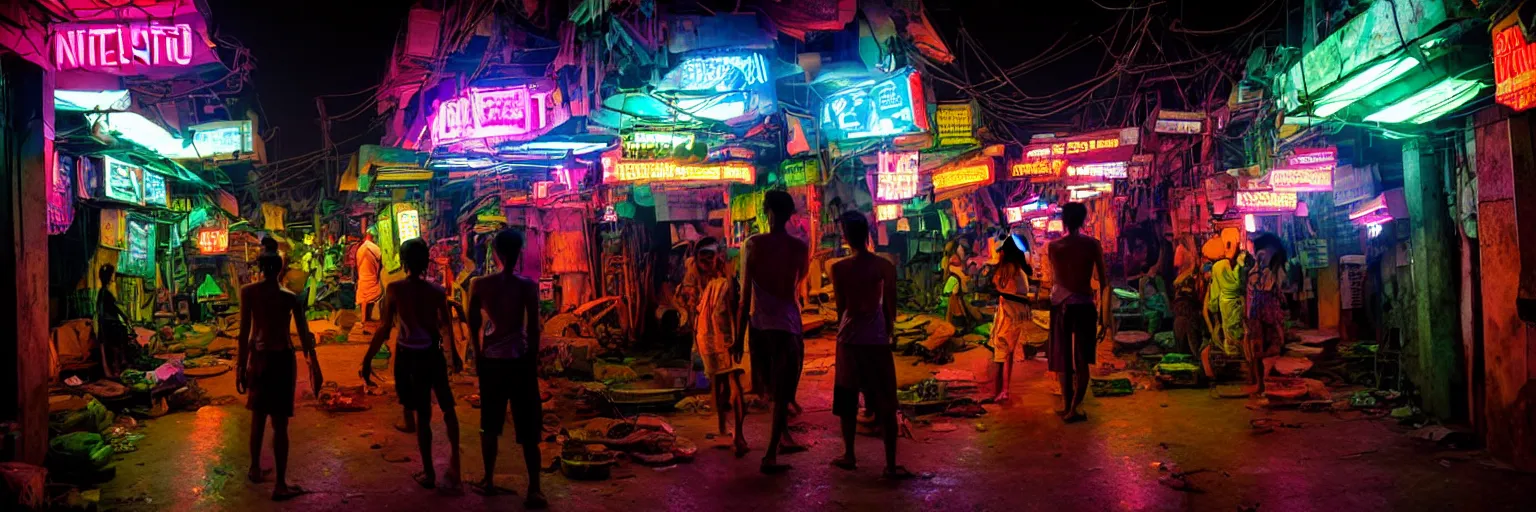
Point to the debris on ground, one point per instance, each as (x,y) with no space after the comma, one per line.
(1444,436)
(334,398)
(1116,384)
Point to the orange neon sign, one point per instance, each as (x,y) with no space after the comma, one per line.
(974,172)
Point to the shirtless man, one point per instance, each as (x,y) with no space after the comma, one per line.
(774,265)
(507,305)
(1076,259)
(268,369)
(865,286)
(420,309)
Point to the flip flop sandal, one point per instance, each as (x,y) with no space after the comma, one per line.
(421,479)
(1075,418)
(402,428)
(290,492)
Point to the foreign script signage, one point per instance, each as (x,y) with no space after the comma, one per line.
(1352,183)
(717,73)
(1039,169)
(1302,179)
(644,145)
(1017,213)
(881,108)
(1265,201)
(1116,145)
(976,171)
(643,172)
(801,172)
(887,211)
(1514,68)
(212,240)
(1110,170)
(955,124)
(129,48)
(1179,122)
(896,175)
(519,113)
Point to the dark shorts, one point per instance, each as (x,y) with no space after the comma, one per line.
(777,359)
(418,374)
(272,377)
(1074,332)
(866,369)
(513,382)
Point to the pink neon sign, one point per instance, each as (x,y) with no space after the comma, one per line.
(896,175)
(122,47)
(520,112)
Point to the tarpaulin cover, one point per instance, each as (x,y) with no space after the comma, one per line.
(1381,30)
(796,17)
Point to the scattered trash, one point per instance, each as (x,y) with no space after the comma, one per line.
(1444,436)
(1117,384)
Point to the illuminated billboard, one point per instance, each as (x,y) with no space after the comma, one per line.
(1107,170)
(1040,169)
(647,172)
(651,145)
(887,211)
(123,181)
(136,48)
(519,112)
(139,257)
(1306,170)
(881,108)
(896,176)
(1264,201)
(222,140)
(974,171)
(212,240)
(1514,68)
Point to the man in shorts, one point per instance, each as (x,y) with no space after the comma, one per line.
(774,267)
(865,286)
(712,310)
(506,305)
(1076,260)
(268,368)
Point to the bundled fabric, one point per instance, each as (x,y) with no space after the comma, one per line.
(79,452)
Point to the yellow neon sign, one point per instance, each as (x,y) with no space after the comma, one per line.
(976,172)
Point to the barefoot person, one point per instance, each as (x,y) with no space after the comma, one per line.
(1076,260)
(774,263)
(420,310)
(865,286)
(268,369)
(1011,280)
(714,319)
(507,306)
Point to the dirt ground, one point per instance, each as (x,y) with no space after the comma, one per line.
(1018,457)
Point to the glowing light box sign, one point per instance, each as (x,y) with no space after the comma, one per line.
(717,73)
(887,211)
(896,176)
(212,240)
(1038,169)
(1018,213)
(520,112)
(1089,190)
(1179,122)
(1108,170)
(139,258)
(955,124)
(1514,68)
(976,171)
(124,182)
(800,172)
(1382,209)
(154,190)
(129,48)
(1314,156)
(1265,201)
(883,108)
(222,140)
(645,145)
(643,172)
(1306,170)
(408,222)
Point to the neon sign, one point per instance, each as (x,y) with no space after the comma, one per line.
(1380,210)
(887,211)
(639,172)
(955,124)
(1038,168)
(1089,190)
(1091,145)
(1017,213)
(409,224)
(1110,170)
(644,145)
(1314,156)
(120,48)
(801,172)
(896,175)
(1265,201)
(1179,122)
(519,112)
(1302,179)
(717,73)
(892,106)
(973,172)
(213,241)
(222,140)
(1514,69)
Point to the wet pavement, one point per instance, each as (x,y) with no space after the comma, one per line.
(1017,457)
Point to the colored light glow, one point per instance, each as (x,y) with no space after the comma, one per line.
(123,181)
(139,258)
(719,108)
(213,241)
(541,189)
(1036,153)
(1363,84)
(154,190)
(654,145)
(517,112)
(801,172)
(1041,168)
(1111,170)
(1017,213)
(1179,122)
(891,106)
(1313,156)
(1088,190)
(408,222)
(888,211)
(221,140)
(717,73)
(1383,208)
(1429,104)
(140,130)
(89,101)
(96,46)
(1055,226)
(1318,178)
(897,175)
(1373,230)
(642,172)
(1265,201)
(1250,223)
(1514,69)
(976,172)
(955,124)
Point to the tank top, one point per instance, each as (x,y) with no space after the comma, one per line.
(772,313)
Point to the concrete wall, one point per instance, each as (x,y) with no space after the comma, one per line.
(29,137)
(1433,360)
(1509,416)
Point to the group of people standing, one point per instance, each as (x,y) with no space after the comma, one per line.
(504,329)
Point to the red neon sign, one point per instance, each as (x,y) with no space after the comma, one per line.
(213,241)
(1514,69)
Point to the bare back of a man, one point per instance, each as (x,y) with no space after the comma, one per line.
(775,264)
(861,282)
(1074,260)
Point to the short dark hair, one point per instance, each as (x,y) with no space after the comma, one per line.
(106,272)
(855,229)
(780,204)
(508,245)
(271,265)
(707,243)
(414,254)
(1073,215)
(269,244)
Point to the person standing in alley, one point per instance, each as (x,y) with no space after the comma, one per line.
(1011,281)
(714,317)
(370,267)
(1076,260)
(774,265)
(267,368)
(420,310)
(1267,286)
(506,305)
(865,286)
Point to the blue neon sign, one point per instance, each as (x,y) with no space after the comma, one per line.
(881,108)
